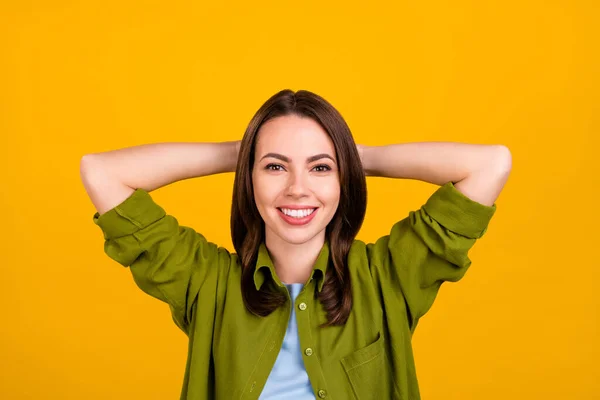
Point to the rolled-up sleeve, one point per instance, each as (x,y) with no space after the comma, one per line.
(429,247)
(168,261)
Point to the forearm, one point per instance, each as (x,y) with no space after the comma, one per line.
(111,177)
(433,162)
(151,166)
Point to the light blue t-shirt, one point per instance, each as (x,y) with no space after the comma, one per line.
(288,378)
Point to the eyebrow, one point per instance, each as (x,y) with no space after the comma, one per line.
(308,160)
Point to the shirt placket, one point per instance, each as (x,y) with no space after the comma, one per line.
(267,359)
(308,343)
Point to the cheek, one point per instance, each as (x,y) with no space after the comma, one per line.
(264,193)
(330,192)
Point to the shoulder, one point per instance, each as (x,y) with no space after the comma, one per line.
(359,257)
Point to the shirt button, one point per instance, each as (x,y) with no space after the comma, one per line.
(308,351)
(302,306)
(322,394)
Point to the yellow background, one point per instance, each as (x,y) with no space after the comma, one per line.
(83,77)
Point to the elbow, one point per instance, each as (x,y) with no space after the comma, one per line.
(86,160)
(91,171)
(84,164)
(503,159)
(89,164)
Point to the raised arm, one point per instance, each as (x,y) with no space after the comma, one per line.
(430,246)
(168,261)
(111,177)
(479,171)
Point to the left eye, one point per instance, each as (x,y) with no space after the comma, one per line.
(325,168)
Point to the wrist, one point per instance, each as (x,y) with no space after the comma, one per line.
(363,152)
(234,154)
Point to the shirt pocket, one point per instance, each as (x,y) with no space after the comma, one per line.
(369,372)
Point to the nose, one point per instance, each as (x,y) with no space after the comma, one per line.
(297,184)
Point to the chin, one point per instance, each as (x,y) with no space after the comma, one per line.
(294,234)
(298,238)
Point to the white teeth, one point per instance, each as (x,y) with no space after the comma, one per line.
(297,213)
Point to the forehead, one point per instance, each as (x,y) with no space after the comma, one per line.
(292,135)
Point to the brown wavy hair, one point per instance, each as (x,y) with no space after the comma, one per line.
(247,226)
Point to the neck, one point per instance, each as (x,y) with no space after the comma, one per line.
(293,262)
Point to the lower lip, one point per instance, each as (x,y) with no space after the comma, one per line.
(297,221)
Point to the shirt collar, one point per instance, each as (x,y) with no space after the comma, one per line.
(264,267)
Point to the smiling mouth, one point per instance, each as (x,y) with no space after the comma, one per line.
(297,218)
(297,213)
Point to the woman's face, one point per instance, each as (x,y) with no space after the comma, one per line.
(295,178)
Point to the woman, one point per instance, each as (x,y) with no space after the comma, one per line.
(301,309)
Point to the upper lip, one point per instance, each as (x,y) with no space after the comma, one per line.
(296,207)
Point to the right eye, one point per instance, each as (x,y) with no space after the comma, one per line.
(269,167)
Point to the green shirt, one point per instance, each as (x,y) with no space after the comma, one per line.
(231,351)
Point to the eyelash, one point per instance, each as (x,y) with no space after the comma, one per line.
(279,165)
